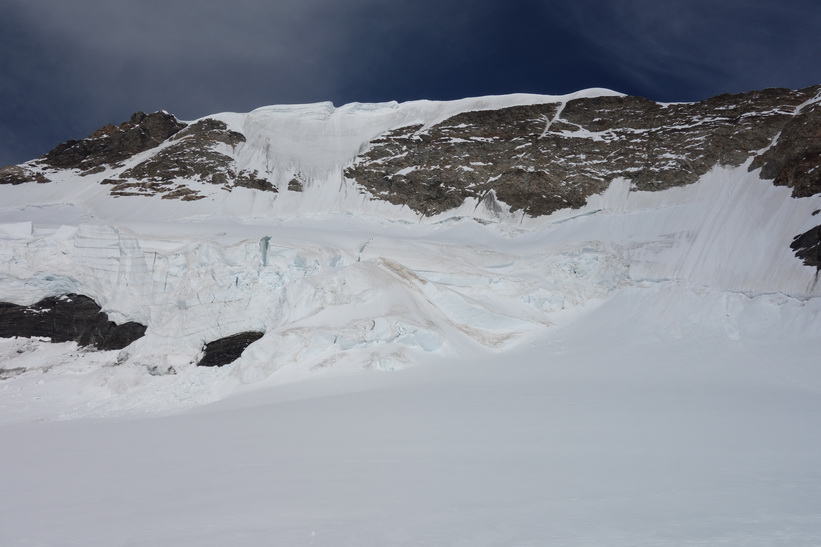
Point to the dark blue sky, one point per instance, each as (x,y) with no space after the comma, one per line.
(68,67)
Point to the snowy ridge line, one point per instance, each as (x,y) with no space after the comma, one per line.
(314,147)
(285,139)
(440,110)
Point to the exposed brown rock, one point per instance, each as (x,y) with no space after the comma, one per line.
(795,159)
(535,158)
(19,174)
(539,159)
(184,194)
(111,144)
(251,179)
(193,155)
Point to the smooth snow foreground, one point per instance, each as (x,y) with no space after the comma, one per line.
(597,435)
(642,372)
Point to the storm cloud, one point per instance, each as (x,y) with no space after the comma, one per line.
(690,49)
(70,67)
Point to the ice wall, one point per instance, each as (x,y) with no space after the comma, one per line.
(375,289)
(336,287)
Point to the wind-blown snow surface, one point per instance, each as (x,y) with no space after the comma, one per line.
(643,371)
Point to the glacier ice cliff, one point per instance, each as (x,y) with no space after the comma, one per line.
(375,235)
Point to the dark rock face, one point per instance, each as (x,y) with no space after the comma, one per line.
(112,144)
(795,159)
(807,247)
(227,350)
(540,159)
(18,174)
(107,147)
(68,318)
(192,156)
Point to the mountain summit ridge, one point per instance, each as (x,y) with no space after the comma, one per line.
(516,153)
(533,153)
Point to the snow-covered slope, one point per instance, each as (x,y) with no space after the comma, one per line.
(335,279)
(312,143)
(340,291)
(645,361)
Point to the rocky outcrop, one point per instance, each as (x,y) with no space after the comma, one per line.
(795,159)
(193,154)
(67,318)
(532,158)
(295,185)
(109,146)
(227,350)
(542,158)
(807,247)
(19,174)
(196,152)
(112,144)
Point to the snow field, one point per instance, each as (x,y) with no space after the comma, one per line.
(341,293)
(608,431)
(640,372)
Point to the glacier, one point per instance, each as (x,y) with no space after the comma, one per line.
(639,371)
